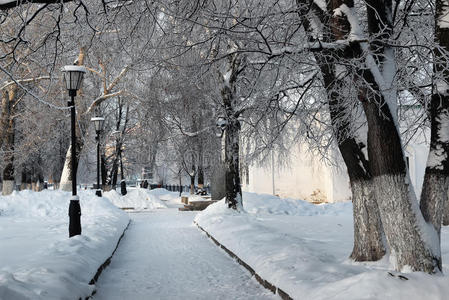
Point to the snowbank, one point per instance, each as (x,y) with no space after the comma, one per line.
(164,194)
(303,249)
(138,199)
(38,260)
(268,204)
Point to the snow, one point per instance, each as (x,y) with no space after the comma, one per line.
(300,247)
(303,249)
(441,86)
(138,199)
(436,157)
(227,78)
(385,77)
(164,256)
(356,32)
(443,128)
(321,4)
(443,21)
(340,71)
(254,203)
(38,260)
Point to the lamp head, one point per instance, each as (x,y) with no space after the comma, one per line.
(73,78)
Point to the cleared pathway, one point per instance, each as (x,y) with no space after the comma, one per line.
(164,256)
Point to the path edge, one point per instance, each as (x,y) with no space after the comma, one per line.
(265,283)
(106,263)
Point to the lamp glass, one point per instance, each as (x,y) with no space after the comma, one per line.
(98,121)
(73,77)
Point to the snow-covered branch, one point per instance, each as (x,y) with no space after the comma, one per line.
(102,98)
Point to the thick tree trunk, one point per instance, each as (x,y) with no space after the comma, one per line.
(368,231)
(232,132)
(434,198)
(436,179)
(369,244)
(404,226)
(446,211)
(411,242)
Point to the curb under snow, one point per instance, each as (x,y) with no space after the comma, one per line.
(106,263)
(274,289)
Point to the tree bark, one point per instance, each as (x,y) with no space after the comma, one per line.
(404,225)
(434,197)
(436,178)
(66,176)
(232,175)
(8,118)
(8,171)
(368,232)
(232,132)
(192,184)
(200,177)
(402,221)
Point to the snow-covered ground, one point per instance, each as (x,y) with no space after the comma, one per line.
(303,249)
(164,256)
(136,199)
(38,260)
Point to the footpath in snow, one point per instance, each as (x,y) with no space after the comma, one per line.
(164,256)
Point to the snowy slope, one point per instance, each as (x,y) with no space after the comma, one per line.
(38,260)
(303,249)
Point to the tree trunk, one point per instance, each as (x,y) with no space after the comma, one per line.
(434,197)
(8,171)
(200,177)
(192,184)
(435,186)
(26,178)
(403,224)
(66,176)
(232,175)
(446,211)
(232,132)
(368,232)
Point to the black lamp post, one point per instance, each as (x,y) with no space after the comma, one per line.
(73,77)
(98,121)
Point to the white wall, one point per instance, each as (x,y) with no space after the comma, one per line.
(304,177)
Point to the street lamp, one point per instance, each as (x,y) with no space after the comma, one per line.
(220,127)
(98,121)
(73,77)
